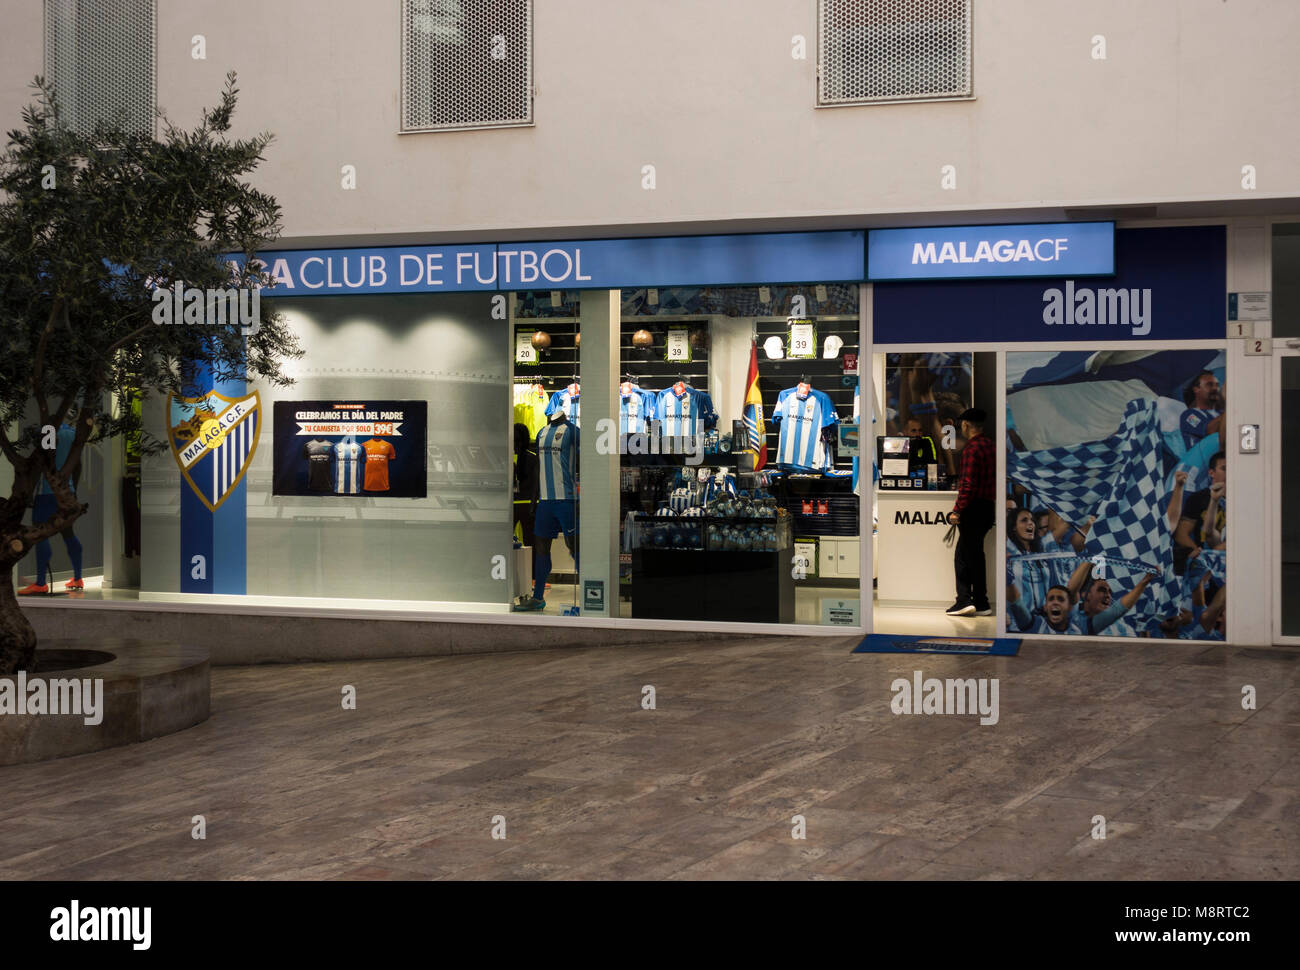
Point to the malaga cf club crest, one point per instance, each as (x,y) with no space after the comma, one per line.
(213,439)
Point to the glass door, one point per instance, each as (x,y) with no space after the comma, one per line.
(1285,276)
(1287,584)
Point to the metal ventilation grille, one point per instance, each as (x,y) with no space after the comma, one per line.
(99,55)
(466,64)
(893,50)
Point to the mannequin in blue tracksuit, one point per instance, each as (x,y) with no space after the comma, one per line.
(44,507)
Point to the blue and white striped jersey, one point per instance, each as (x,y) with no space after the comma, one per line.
(635,409)
(566,400)
(349,466)
(557,453)
(801,420)
(688,413)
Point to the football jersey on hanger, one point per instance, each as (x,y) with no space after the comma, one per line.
(801,420)
(566,400)
(687,413)
(530,408)
(635,409)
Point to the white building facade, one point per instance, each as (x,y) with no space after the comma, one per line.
(457,177)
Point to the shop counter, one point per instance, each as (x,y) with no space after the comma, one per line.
(914,564)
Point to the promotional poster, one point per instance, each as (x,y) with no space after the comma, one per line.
(349,448)
(1116,485)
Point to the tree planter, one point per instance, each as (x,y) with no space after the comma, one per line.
(132,691)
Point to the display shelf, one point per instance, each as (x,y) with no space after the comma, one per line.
(683,533)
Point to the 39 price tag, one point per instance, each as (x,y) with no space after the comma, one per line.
(802,340)
(678,347)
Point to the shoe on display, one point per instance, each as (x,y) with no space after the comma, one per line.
(984,611)
(75,584)
(961,609)
(34,589)
(529,604)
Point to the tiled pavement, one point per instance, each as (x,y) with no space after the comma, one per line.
(746,734)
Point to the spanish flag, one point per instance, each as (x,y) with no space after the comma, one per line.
(753,411)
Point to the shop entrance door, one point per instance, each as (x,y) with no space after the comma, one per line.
(1286,565)
(919,398)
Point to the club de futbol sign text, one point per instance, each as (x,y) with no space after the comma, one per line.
(476,268)
(586,264)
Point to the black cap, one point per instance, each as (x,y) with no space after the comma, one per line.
(973,415)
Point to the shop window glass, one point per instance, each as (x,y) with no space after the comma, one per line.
(1286,280)
(547,416)
(713,530)
(382,473)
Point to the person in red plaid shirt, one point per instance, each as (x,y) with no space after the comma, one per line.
(973,515)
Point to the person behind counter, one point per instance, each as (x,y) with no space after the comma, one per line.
(922,448)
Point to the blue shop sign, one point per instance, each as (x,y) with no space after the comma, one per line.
(1169,285)
(975,252)
(591,264)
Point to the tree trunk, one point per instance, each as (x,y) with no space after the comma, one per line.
(17,638)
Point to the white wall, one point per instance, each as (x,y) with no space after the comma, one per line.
(1190,91)
(1252,544)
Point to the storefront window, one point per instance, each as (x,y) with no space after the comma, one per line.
(736,496)
(547,417)
(382,473)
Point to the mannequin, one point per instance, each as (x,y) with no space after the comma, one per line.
(45,507)
(557,505)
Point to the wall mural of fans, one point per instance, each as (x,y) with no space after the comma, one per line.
(1115,492)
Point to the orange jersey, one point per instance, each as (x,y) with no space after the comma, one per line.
(378,454)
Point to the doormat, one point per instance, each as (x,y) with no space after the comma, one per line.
(892,643)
